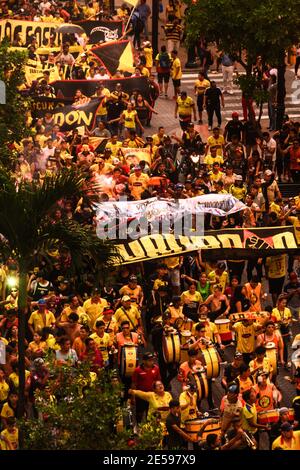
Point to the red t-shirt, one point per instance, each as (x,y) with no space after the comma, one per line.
(143,379)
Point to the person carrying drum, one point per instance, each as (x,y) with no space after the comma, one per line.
(177,438)
(271,335)
(231,406)
(123,339)
(268,396)
(283,316)
(175,308)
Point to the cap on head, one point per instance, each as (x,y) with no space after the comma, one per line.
(125,298)
(42,302)
(268,173)
(147,356)
(283,410)
(238,178)
(286,427)
(235,114)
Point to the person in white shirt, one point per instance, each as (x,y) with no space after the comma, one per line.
(269,150)
(44,5)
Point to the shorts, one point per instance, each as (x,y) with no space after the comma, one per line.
(200,100)
(163,77)
(276,285)
(176,83)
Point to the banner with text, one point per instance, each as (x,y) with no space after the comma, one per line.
(71,117)
(41,30)
(230,244)
(67,88)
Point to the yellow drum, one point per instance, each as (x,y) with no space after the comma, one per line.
(199,379)
(171,346)
(192,427)
(185,336)
(211,359)
(271,354)
(295,360)
(187,325)
(128,360)
(223,325)
(212,428)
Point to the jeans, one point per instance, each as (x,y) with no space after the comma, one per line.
(272,116)
(210,114)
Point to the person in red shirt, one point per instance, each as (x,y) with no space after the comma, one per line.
(143,379)
(294,153)
(92,355)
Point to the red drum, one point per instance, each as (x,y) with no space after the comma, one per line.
(291,414)
(223,325)
(267,417)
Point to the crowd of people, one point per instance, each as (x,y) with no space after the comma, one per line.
(188,321)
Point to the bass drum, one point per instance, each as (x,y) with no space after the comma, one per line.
(212,428)
(128,360)
(224,331)
(271,354)
(210,357)
(171,347)
(185,336)
(199,380)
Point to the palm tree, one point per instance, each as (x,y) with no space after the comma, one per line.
(27,231)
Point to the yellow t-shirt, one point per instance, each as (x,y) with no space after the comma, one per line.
(155,401)
(138,184)
(209,160)
(238,192)
(102,344)
(216,176)
(4,389)
(245,337)
(286,315)
(37,321)
(7,411)
(211,330)
(132,315)
(129,119)
(67,311)
(223,279)
(185,107)
(277,266)
(15,378)
(190,412)
(12,437)
(296,224)
(176,71)
(187,297)
(114,148)
(219,142)
(148,51)
(94,310)
(201,86)
(249,411)
(293,445)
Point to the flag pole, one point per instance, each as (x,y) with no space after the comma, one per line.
(131,13)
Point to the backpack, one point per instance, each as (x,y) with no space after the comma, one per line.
(164,60)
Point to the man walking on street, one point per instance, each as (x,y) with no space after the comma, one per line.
(212,97)
(227,70)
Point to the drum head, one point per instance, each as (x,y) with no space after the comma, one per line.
(270,345)
(222,321)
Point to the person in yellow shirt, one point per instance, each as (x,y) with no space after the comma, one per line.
(114,145)
(188,403)
(216,140)
(138,182)
(185,107)
(191,300)
(128,312)
(246,331)
(213,157)
(200,86)
(237,189)
(148,52)
(176,73)
(295,221)
(130,119)
(276,267)
(156,399)
(249,413)
(73,307)
(289,439)
(93,307)
(9,437)
(4,387)
(41,317)
(102,340)
(216,174)
(219,276)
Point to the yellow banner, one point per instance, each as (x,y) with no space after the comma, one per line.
(36,73)
(134,156)
(27,29)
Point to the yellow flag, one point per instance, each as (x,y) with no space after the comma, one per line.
(133,3)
